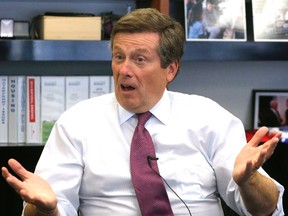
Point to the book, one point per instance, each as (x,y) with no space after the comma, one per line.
(65,27)
(77,89)
(52,102)
(4,110)
(33,121)
(99,85)
(17,109)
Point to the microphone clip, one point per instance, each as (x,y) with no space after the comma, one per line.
(150,158)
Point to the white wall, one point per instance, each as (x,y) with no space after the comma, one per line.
(231,83)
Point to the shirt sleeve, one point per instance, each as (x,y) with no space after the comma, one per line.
(60,209)
(279,210)
(64,172)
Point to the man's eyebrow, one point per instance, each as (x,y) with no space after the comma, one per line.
(137,50)
(116,47)
(142,50)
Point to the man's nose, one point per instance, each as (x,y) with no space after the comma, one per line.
(125,67)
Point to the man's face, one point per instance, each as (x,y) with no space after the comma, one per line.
(274,104)
(210,6)
(138,77)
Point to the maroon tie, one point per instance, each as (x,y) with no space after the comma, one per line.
(149,187)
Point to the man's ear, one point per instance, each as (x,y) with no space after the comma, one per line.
(172,71)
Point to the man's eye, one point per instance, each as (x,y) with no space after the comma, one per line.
(118,57)
(140,59)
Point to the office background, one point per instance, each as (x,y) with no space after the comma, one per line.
(231,83)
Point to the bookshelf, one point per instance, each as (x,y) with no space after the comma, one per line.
(32,50)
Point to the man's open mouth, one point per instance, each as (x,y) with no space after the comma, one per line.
(127,87)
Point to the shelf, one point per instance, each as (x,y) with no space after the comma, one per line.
(56,50)
(236,51)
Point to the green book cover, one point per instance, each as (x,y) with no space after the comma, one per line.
(52,102)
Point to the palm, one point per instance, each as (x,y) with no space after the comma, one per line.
(253,156)
(30,187)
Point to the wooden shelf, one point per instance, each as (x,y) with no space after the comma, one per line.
(52,50)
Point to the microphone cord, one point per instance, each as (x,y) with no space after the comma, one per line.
(149,159)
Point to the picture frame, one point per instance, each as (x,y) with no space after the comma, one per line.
(270,108)
(215,20)
(270,20)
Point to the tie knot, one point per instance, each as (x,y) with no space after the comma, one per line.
(143,117)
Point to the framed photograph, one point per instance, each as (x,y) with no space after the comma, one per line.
(270,20)
(215,20)
(270,108)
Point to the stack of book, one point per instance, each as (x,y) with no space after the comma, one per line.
(30,105)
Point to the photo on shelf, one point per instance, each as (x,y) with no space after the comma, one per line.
(270,20)
(270,108)
(215,20)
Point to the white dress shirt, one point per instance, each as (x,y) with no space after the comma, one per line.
(86,159)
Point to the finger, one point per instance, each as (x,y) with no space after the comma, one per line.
(268,148)
(272,143)
(18,169)
(278,135)
(14,182)
(11,180)
(7,175)
(258,136)
(5,172)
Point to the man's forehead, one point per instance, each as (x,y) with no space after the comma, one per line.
(141,42)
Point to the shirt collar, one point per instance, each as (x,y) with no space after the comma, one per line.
(124,115)
(161,110)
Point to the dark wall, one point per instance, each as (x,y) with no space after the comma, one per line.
(10,202)
(277,167)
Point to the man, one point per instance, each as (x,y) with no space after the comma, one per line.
(211,20)
(85,165)
(270,116)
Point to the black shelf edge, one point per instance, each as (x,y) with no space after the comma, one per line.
(236,51)
(53,50)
